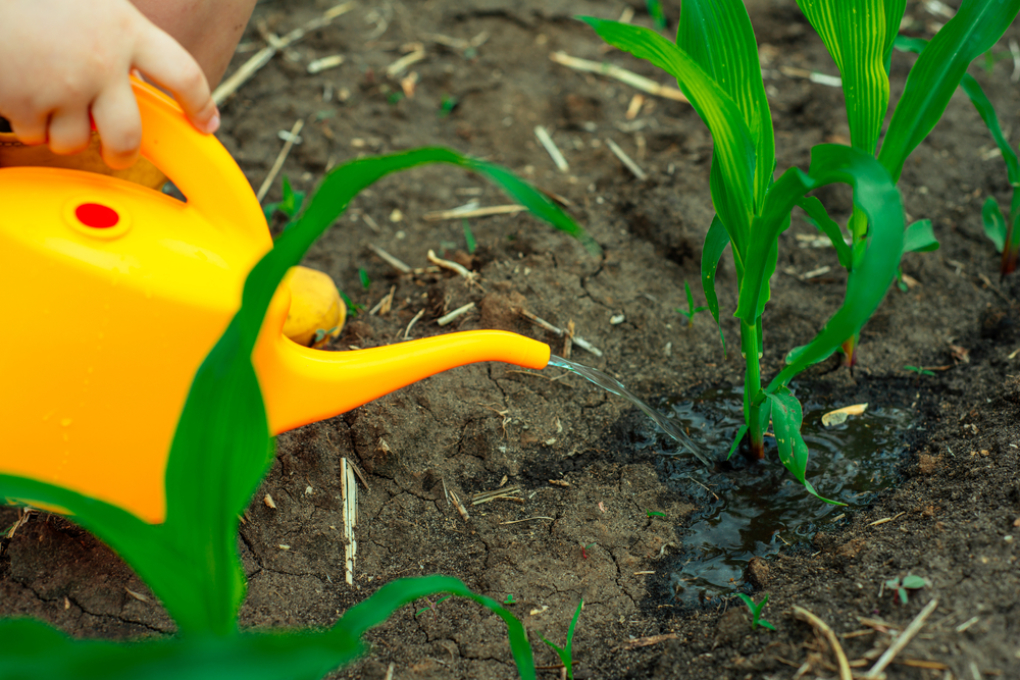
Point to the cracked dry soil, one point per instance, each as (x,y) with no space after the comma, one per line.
(958,497)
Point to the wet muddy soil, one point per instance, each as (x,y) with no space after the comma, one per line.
(587,465)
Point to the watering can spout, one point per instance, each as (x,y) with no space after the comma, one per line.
(301,385)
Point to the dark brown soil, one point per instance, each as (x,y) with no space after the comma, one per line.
(952,514)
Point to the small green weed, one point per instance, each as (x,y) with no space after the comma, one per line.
(655,10)
(291,204)
(901,586)
(565,653)
(691,309)
(918,370)
(431,606)
(755,609)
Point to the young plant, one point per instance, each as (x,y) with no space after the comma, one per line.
(756,609)
(860,36)
(220,452)
(565,653)
(691,309)
(918,371)
(715,62)
(901,585)
(1004,233)
(290,205)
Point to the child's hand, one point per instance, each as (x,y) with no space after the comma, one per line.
(62,60)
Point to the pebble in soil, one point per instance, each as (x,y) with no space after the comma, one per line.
(749,509)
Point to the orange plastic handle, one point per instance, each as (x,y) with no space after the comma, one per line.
(199,165)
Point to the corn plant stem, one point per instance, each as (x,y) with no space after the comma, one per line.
(1012,240)
(750,341)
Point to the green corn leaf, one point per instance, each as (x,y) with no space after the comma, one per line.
(894,10)
(733,160)
(715,243)
(875,194)
(221,448)
(920,238)
(34,650)
(858,35)
(984,108)
(741,431)
(995,223)
(787,418)
(987,113)
(814,208)
(977,26)
(718,36)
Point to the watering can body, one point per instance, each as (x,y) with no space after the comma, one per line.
(113,294)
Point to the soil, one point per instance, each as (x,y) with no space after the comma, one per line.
(568,446)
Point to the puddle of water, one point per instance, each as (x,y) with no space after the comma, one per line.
(749,509)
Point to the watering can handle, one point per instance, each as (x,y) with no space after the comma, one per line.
(198,165)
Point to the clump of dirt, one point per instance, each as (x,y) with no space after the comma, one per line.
(580,528)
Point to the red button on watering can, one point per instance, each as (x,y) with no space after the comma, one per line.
(113,294)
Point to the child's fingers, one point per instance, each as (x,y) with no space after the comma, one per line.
(29,131)
(69,131)
(166,63)
(115,113)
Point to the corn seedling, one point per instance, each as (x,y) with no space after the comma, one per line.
(756,609)
(901,586)
(565,652)
(220,452)
(1004,233)
(860,36)
(715,63)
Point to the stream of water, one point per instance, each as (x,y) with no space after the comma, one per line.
(613,386)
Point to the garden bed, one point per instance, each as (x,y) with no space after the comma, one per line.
(581,527)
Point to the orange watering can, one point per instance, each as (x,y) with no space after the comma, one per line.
(113,294)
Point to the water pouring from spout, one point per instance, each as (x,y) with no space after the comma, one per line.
(614,386)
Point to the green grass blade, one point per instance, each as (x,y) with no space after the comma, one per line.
(733,159)
(920,238)
(715,243)
(977,26)
(828,226)
(875,194)
(717,34)
(858,36)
